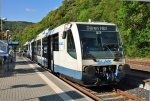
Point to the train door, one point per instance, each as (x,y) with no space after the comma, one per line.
(54,48)
(49,53)
(52,55)
(45,54)
(32,54)
(35,51)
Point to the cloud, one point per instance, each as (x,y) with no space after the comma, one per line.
(30,10)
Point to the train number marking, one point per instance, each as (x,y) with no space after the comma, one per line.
(104,62)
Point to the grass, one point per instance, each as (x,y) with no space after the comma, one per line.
(138,59)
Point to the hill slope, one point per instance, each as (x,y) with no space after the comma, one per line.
(132,18)
(15,27)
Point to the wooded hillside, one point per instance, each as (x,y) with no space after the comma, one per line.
(15,27)
(132,18)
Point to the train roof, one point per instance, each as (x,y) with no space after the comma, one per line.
(59,28)
(94,23)
(32,40)
(65,26)
(42,34)
(26,43)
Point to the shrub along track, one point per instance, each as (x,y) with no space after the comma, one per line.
(138,65)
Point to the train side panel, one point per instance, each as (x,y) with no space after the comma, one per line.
(68,62)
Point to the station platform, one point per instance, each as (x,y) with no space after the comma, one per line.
(27,81)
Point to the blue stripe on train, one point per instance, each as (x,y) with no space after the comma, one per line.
(69,72)
(39,60)
(42,61)
(66,71)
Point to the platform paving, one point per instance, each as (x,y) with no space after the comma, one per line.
(27,81)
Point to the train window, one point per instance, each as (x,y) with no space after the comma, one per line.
(55,43)
(71,45)
(64,35)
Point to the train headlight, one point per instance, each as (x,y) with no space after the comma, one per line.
(120,67)
(90,70)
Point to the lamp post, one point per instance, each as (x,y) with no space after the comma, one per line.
(2,19)
(7,32)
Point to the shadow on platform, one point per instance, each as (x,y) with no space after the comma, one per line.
(11,69)
(25,86)
(23,62)
(28,86)
(56,97)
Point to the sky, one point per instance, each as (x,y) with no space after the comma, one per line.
(27,10)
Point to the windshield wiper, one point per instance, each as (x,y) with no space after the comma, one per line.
(116,55)
(94,59)
(104,45)
(89,55)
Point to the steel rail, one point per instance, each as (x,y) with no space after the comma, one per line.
(94,97)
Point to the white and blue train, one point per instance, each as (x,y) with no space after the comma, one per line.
(89,53)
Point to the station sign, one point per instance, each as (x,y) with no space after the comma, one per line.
(13,43)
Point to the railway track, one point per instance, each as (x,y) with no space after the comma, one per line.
(102,93)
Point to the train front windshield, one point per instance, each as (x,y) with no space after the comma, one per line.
(99,41)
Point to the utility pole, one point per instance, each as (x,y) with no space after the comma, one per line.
(2,19)
(1,29)
(1,16)
(7,32)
